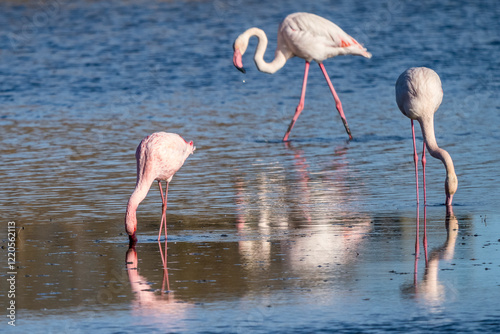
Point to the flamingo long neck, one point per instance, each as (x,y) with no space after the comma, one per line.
(427,125)
(135,199)
(263,66)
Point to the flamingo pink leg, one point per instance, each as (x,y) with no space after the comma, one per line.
(165,269)
(337,100)
(301,103)
(417,246)
(425,237)
(163,210)
(415,156)
(424,161)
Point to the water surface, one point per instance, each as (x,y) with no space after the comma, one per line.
(311,236)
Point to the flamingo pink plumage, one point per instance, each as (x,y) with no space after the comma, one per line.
(307,36)
(419,95)
(159,156)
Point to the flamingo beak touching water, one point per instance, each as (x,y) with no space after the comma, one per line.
(419,94)
(159,156)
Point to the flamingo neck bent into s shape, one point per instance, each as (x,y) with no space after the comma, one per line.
(279,57)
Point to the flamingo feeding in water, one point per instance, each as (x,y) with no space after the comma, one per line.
(306,36)
(159,156)
(418,95)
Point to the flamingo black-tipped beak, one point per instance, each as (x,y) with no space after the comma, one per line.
(132,240)
(238,63)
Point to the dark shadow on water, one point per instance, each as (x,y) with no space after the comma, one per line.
(304,140)
(374,137)
(356,139)
(439,205)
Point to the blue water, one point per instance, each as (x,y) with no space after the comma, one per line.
(314,236)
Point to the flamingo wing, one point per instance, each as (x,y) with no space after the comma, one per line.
(163,154)
(312,37)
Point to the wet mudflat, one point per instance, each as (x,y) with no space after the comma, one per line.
(311,236)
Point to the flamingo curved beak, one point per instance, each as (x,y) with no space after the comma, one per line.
(238,63)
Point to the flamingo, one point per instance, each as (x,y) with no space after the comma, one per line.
(307,36)
(159,156)
(418,95)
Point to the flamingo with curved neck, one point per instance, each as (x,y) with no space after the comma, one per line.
(419,95)
(159,156)
(306,36)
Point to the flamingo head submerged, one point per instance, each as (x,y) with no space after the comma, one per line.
(131,228)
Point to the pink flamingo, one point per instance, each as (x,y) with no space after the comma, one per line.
(159,156)
(306,36)
(418,95)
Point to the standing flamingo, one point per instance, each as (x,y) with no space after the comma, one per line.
(306,36)
(418,95)
(159,156)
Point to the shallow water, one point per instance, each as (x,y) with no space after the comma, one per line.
(311,236)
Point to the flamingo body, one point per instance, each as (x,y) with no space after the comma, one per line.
(159,156)
(312,37)
(418,95)
(307,36)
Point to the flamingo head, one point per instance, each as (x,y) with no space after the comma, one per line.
(131,228)
(450,187)
(131,223)
(239,47)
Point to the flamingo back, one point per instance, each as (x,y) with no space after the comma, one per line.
(161,155)
(419,92)
(312,37)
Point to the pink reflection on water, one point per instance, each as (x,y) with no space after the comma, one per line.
(305,210)
(149,304)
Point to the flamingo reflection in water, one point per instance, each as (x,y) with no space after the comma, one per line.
(148,303)
(300,195)
(429,288)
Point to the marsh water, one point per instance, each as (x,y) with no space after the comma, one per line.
(316,235)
